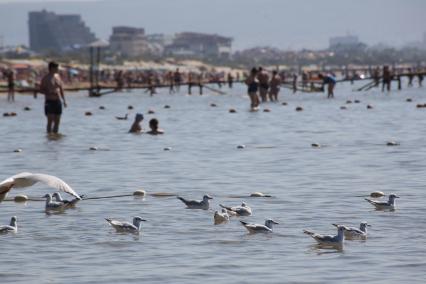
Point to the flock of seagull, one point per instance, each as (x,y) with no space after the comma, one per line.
(55,203)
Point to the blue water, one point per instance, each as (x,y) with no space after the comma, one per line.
(312,188)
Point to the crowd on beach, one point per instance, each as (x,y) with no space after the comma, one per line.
(262,85)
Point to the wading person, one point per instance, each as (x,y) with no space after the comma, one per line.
(10,85)
(274,86)
(263,78)
(387,78)
(330,81)
(253,86)
(51,87)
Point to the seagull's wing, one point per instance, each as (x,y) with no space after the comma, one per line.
(4,185)
(28,179)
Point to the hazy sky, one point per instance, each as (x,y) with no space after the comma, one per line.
(287,24)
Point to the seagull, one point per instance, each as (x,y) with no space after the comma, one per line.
(257,228)
(122,117)
(242,210)
(328,240)
(222,217)
(127,227)
(197,204)
(12,228)
(70,203)
(29,179)
(53,205)
(355,233)
(382,205)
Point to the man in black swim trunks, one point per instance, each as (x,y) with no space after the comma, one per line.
(51,87)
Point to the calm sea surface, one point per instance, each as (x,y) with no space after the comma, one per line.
(312,188)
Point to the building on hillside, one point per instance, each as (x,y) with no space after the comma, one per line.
(347,41)
(197,45)
(51,32)
(128,41)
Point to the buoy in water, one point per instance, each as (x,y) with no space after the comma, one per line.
(21,198)
(139,192)
(408,100)
(167,148)
(377,194)
(299,108)
(369,106)
(27,108)
(88,113)
(101,107)
(316,145)
(166,106)
(232,110)
(259,194)
(392,143)
(213,105)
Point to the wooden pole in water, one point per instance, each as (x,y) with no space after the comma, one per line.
(91,71)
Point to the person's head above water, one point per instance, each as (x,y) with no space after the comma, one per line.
(139,117)
(153,124)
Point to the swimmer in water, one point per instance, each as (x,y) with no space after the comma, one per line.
(136,126)
(153,124)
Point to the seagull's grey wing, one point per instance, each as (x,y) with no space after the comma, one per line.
(322,238)
(114,222)
(128,226)
(28,179)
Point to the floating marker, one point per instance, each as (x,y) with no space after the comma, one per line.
(392,143)
(139,192)
(21,198)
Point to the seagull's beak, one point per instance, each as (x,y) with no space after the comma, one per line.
(144,220)
(275,222)
(368,225)
(396,196)
(335,225)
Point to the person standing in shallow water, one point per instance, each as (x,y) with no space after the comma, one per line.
(263,78)
(52,88)
(274,86)
(253,86)
(330,81)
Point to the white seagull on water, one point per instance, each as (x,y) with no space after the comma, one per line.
(328,239)
(243,210)
(384,205)
(257,228)
(221,217)
(29,179)
(53,205)
(355,233)
(127,227)
(11,228)
(197,204)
